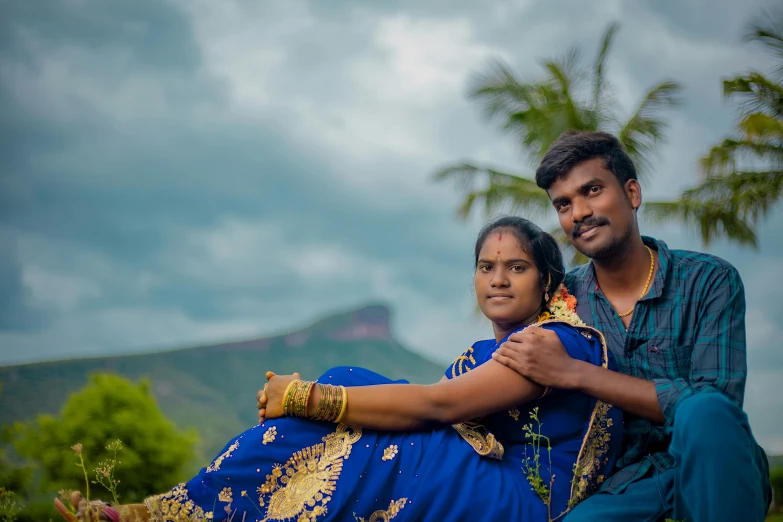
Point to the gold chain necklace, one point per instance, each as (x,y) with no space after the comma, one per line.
(646,285)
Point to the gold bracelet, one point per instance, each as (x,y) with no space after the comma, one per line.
(287,396)
(328,403)
(296,398)
(344,405)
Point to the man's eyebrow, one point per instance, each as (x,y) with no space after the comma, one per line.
(563,199)
(587,185)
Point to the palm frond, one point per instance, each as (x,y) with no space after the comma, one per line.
(768,31)
(644,131)
(724,157)
(756,93)
(495,189)
(750,194)
(711,220)
(498,90)
(464,176)
(600,61)
(761,127)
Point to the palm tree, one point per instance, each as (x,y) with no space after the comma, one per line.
(743,174)
(568,97)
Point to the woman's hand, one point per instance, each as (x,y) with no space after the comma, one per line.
(85,511)
(270,399)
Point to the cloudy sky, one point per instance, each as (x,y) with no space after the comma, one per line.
(187,171)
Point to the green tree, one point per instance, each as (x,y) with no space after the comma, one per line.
(776,480)
(742,176)
(110,407)
(568,97)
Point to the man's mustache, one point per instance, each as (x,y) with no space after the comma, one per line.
(589,222)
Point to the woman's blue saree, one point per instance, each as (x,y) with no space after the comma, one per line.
(527,464)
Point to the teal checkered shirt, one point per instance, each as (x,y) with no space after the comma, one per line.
(687,335)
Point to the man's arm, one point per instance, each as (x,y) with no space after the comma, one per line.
(718,361)
(539,355)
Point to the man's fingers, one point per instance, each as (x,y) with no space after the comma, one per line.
(269,375)
(507,361)
(537,331)
(67,515)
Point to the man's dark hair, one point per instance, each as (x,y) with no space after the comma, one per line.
(574,147)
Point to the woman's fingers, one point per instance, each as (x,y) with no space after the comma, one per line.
(269,375)
(67,515)
(76,499)
(297,376)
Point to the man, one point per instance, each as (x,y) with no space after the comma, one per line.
(675,323)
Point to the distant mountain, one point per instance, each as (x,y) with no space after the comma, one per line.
(212,388)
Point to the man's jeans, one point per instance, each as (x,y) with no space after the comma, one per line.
(721,473)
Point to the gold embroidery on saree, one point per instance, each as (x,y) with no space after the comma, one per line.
(593,456)
(384,515)
(390,452)
(226,454)
(464,363)
(269,435)
(226,495)
(480,440)
(514,413)
(174,506)
(302,487)
(594,453)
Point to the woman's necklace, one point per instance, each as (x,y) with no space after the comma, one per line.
(646,285)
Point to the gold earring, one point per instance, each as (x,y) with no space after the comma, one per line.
(548,284)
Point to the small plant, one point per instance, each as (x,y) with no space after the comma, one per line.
(77,448)
(533,471)
(104,473)
(9,507)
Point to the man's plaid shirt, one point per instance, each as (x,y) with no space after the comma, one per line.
(687,335)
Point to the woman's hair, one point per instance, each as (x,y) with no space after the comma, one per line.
(539,245)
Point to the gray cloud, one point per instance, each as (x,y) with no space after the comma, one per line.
(183,172)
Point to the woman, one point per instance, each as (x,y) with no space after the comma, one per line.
(381,449)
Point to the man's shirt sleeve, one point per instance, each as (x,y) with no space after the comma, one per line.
(718,362)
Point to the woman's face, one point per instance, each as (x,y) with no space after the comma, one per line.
(507,282)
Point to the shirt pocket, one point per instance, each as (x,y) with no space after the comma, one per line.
(660,359)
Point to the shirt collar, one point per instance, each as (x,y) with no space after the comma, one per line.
(664,262)
(585,274)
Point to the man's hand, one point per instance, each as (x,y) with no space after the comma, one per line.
(270,398)
(539,355)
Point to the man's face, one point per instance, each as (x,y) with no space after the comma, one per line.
(596,213)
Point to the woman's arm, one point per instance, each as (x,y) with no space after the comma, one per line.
(486,389)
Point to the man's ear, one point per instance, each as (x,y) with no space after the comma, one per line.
(633,192)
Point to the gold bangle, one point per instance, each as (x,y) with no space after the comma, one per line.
(287,396)
(329,403)
(344,405)
(296,398)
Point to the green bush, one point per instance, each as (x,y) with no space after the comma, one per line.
(110,407)
(776,479)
